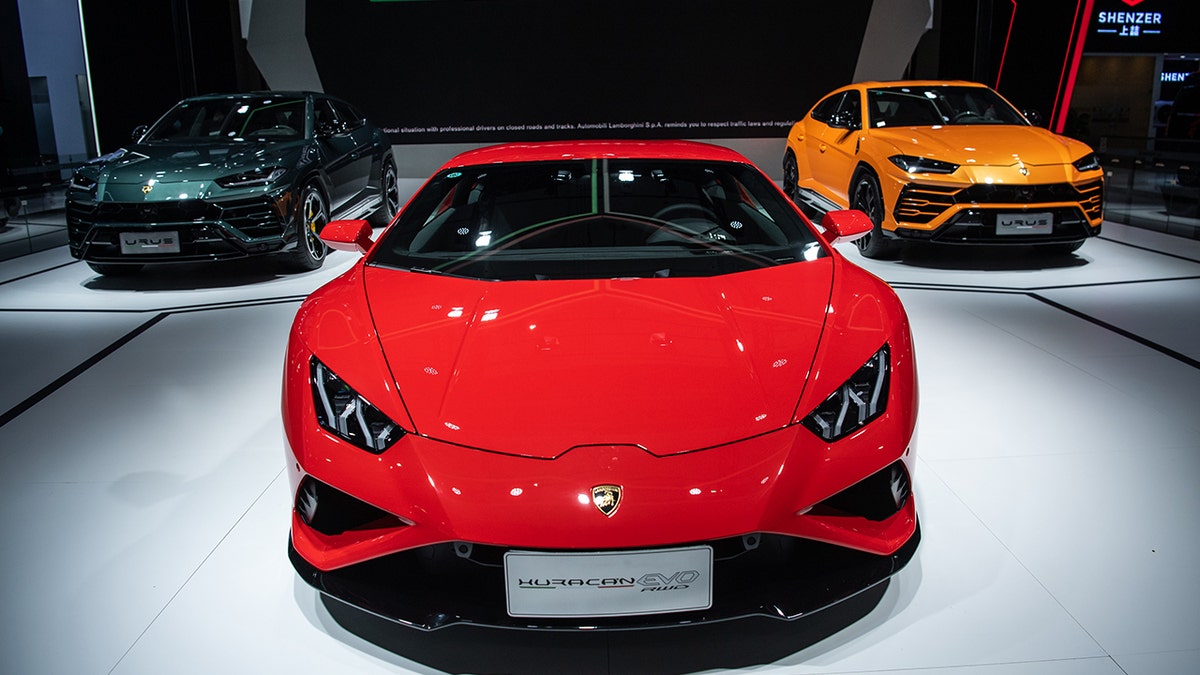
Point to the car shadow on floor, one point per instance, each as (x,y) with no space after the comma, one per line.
(990,258)
(191,276)
(740,643)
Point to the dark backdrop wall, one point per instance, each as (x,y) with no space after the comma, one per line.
(478,71)
(145,55)
(491,70)
(18,135)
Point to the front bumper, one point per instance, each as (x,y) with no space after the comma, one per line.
(204,230)
(434,586)
(952,214)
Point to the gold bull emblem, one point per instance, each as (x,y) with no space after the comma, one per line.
(607,498)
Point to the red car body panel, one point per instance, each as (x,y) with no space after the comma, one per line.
(520,396)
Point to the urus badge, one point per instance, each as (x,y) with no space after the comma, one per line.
(147,188)
(607,498)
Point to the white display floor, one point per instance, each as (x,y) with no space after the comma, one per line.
(144,506)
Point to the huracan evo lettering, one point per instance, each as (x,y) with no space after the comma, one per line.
(654,581)
(610,582)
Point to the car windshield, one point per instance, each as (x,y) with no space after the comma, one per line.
(936,106)
(226,119)
(601,218)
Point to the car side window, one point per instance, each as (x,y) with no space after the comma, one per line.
(849,113)
(348,117)
(325,119)
(824,110)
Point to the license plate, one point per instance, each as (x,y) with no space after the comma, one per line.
(1024,223)
(141,243)
(620,583)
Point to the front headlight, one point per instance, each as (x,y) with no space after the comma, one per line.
(859,400)
(254,178)
(350,417)
(922,164)
(82,182)
(1089,162)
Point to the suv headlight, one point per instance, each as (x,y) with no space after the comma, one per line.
(344,413)
(254,178)
(1089,162)
(859,400)
(922,164)
(82,182)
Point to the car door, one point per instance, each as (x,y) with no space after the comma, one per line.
(347,163)
(834,153)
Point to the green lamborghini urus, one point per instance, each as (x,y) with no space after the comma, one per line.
(232,175)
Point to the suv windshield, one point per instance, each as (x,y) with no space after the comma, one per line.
(226,119)
(601,218)
(933,106)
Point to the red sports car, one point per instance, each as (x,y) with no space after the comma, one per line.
(600,385)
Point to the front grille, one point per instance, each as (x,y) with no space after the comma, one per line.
(206,230)
(920,204)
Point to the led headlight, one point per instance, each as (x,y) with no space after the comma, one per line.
(350,417)
(1089,162)
(859,400)
(254,178)
(82,182)
(922,164)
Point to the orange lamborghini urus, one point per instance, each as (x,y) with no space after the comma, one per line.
(945,162)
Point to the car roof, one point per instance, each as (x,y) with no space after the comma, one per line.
(918,83)
(254,94)
(595,149)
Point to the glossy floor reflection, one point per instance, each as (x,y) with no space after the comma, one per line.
(146,507)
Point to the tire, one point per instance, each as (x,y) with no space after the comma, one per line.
(791,175)
(114,269)
(311,218)
(389,188)
(868,198)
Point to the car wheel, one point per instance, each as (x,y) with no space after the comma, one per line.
(114,269)
(791,175)
(868,198)
(389,187)
(310,251)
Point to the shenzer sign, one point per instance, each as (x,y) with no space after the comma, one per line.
(1156,26)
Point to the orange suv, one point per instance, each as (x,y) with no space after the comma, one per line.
(945,162)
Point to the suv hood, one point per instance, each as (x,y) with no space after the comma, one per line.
(122,174)
(983,145)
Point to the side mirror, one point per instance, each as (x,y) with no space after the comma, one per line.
(327,130)
(348,235)
(845,226)
(843,120)
(139,131)
(1034,117)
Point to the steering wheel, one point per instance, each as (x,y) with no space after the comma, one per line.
(707,213)
(965,114)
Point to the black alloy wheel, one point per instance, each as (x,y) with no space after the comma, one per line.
(310,251)
(868,198)
(791,175)
(389,188)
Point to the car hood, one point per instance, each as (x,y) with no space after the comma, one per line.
(983,145)
(538,368)
(167,163)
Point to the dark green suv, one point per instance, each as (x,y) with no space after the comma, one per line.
(232,175)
